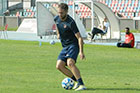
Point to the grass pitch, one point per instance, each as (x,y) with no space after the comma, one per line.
(27,68)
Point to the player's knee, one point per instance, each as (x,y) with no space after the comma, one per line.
(59,65)
(71,63)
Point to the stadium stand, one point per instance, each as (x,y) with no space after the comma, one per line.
(121,8)
(31,12)
(126,8)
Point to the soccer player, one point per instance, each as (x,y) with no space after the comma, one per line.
(72,44)
(129,39)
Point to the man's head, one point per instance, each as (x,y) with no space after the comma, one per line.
(62,11)
(105,19)
(127,30)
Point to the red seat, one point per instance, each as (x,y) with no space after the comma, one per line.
(32,14)
(6,26)
(54,27)
(4,32)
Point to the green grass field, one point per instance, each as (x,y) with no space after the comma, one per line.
(27,68)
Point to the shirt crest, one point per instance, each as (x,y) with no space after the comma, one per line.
(65,25)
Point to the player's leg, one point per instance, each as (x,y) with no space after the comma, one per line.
(119,44)
(61,66)
(99,31)
(73,52)
(123,45)
(126,45)
(93,33)
(92,37)
(73,68)
(76,73)
(72,55)
(96,31)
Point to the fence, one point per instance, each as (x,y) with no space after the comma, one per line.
(16,21)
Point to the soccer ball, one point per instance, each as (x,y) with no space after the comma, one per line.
(52,42)
(67,83)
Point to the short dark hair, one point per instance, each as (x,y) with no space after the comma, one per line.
(127,28)
(63,6)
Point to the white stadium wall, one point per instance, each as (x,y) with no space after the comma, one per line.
(45,20)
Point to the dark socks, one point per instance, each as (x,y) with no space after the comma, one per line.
(80,81)
(73,77)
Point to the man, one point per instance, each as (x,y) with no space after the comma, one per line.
(102,29)
(72,44)
(105,25)
(129,39)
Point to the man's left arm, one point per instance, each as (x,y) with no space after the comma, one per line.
(131,39)
(80,42)
(130,42)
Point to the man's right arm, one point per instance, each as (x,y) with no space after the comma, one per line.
(103,26)
(57,32)
(132,38)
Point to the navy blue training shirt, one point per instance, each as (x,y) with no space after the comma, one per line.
(67,30)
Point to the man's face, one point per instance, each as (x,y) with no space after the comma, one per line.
(126,31)
(105,19)
(62,13)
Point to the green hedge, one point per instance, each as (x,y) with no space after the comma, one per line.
(133,31)
(9,28)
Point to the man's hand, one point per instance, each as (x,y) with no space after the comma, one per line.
(58,36)
(82,56)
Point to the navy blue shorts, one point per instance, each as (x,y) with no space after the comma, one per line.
(71,51)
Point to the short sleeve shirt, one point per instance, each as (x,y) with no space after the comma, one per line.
(106,24)
(67,30)
(128,38)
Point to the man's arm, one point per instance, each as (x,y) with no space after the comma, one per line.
(130,42)
(57,32)
(80,42)
(103,26)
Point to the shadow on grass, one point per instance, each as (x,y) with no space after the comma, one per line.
(135,89)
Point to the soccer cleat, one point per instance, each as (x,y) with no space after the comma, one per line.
(81,87)
(75,85)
